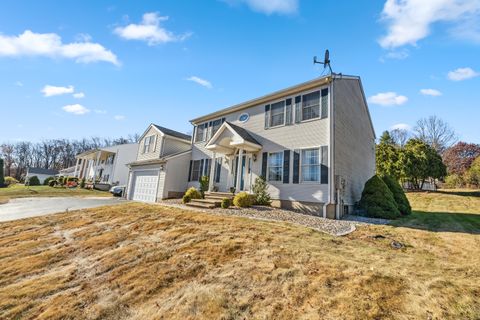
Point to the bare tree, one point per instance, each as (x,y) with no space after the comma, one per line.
(400,137)
(8,155)
(435,132)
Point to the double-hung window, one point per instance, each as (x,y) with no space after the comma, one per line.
(196,170)
(277,114)
(215,126)
(200,132)
(310,161)
(311,106)
(275,166)
(148,144)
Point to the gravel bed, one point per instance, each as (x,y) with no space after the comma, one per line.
(359,220)
(330,226)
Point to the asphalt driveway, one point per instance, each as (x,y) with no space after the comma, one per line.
(31,207)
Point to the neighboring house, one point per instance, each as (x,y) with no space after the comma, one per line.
(313,142)
(160,169)
(106,165)
(41,173)
(67,172)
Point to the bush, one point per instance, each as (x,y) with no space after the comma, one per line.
(10,181)
(398,194)
(82,183)
(2,175)
(377,200)
(204,181)
(52,183)
(60,180)
(226,203)
(186,198)
(193,193)
(454,181)
(243,200)
(259,189)
(46,182)
(33,181)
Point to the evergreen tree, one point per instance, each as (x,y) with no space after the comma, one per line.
(2,174)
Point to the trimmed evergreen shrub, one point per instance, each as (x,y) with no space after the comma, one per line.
(398,194)
(46,182)
(82,183)
(377,200)
(226,203)
(10,181)
(186,198)
(52,183)
(204,182)
(193,193)
(61,180)
(2,175)
(33,181)
(259,189)
(243,200)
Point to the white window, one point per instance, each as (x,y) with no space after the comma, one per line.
(148,144)
(275,166)
(277,114)
(311,106)
(196,170)
(201,132)
(215,126)
(310,162)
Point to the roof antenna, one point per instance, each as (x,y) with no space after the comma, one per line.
(326,61)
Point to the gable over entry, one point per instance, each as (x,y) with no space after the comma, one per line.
(230,137)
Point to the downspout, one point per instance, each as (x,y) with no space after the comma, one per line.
(331,153)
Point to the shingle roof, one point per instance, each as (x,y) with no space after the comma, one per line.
(173,133)
(42,171)
(243,133)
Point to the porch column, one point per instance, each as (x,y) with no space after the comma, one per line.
(76,169)
(95,166)
(212,173)
(239,170)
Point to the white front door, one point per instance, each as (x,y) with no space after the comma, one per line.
(145,184)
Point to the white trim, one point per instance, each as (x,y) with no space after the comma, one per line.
(268,167)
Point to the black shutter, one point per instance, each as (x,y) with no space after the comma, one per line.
(298,109)
(201,169)
(288,111)
(218,170)
(190,171)
(324,165)
(296,166)
(267,116)
(264,165)
(286,166)
(324,103)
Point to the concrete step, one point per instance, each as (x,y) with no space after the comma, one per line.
(220,194)
(211,201)
(218,197)
(201,205)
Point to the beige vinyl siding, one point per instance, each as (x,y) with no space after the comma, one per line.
(176,174)
(154,153)
(173,146)
(354,139)
(308,134)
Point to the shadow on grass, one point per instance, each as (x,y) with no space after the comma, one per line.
(441,222)
(464,193)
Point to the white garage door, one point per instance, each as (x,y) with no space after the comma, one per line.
(145,186)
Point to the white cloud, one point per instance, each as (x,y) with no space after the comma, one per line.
(149,30)
(50,91)
(462,74)
(401,126)
(200,81)
(269,6)
(79,95)
(50,45)
(76,109)
(388,99)
(99,111)
(18,83)
(119,117)
(409,21)
(430,92)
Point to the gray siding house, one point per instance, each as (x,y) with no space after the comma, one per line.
(313,142)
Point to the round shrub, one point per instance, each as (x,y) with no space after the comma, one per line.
(61,180)
(186,198)
(243,200)
(33,181)
(52,183)
(10,181)
(226,203)
(46,182)
(82,183)
(398,195)
(377,200)
(193,193)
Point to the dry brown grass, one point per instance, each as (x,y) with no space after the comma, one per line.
(137,261)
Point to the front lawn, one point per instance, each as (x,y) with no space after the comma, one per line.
(21,191)
(140,261)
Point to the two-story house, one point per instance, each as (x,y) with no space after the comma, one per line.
(314,143)
(160,168)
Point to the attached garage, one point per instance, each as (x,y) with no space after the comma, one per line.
(144,185)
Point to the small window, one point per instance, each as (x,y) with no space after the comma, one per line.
(277,114)
(311,106)
(215,126)
(196,170)
(275,166)
(200,133)
(148,144)
(310,161)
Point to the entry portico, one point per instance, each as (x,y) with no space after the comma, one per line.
(239,148)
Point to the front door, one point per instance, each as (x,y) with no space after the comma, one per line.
(246,168)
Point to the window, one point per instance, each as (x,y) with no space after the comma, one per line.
(275,166)
(215,126)
(148,144)
(310,161)
(277,114)
(196,170)
(110,159)
(311,106)
(201,132)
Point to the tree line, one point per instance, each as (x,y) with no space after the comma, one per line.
(51,153)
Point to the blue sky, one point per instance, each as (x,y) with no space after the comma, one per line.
(105,68)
